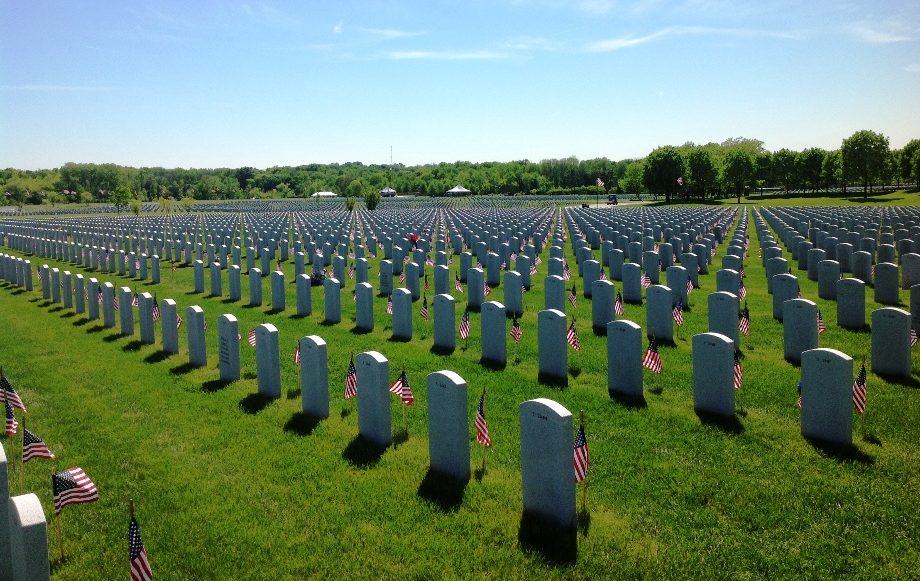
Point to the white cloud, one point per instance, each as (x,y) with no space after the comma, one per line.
(340,25)
(629,41)
(532,43)
(55,88)
(595,6)
(873,35)
(447,55)
(913,68)
(389,33)
(612,44)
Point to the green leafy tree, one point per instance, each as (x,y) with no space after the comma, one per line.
(662,169)
(784,167)
(632,181)
(864,155)
(703,174)
(350,203)
(187,203)
(120,197)
(764,170)
(371,199)
(739,170)
(907,160)
(810,162)
(831,173)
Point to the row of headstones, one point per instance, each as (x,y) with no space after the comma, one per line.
(23,533)
(891,342)
(849,293)
(856,256)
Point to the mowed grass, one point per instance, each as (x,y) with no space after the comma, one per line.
(225,487)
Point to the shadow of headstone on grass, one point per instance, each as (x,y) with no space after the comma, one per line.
(362,453)
(444,491)
(255,402)
(558,545)
(302,424)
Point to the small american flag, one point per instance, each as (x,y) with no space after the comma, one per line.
(72,486)
(40,275)
(566,272)
(572,337)
(645,280)
(424,311)
(135,301)
(34,447)
(482,428)
(465,324)
(739,372)
(402,277)
(798,402)
(401,388)
(351,271)
(618,305)
(538,261)
(533,269)
(822,327)
(742,291)
(581,454)
(859,391)
(744,321)
(297,354)
(457,284)
(140,565)
(689,286)
(115,302)
(652,360)
(8,393)
(351,380)
(599,182)
(573,296)
(678,312)
(516,331)
(390,304)
(11,423)
(913,337)
(603,275)
(178,320)
(743,274)
(252,337)
(427,283)
(486,290)
(99,296)
(155,311)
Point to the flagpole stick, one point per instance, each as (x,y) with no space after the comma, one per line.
(57,525)
(22,464)
(584,489)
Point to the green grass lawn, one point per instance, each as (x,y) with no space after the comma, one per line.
(224,489)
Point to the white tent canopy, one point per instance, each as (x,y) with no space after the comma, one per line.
(458,190)
(323,195)
(388,191)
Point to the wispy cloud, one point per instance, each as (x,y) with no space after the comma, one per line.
(446,55)
(913,68)
(629,41)
(596,6)
(269,14)
(56,88)
(873,35)
(339,27)
(389,33)
(532,43)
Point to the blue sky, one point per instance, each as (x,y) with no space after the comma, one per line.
(263,83)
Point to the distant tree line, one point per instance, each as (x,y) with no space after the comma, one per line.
(689,172)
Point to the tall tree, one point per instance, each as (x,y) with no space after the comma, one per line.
(907,159)
(663,167)
(864,155)
(809,162)
(702,171)
(739,170)
(784,167)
